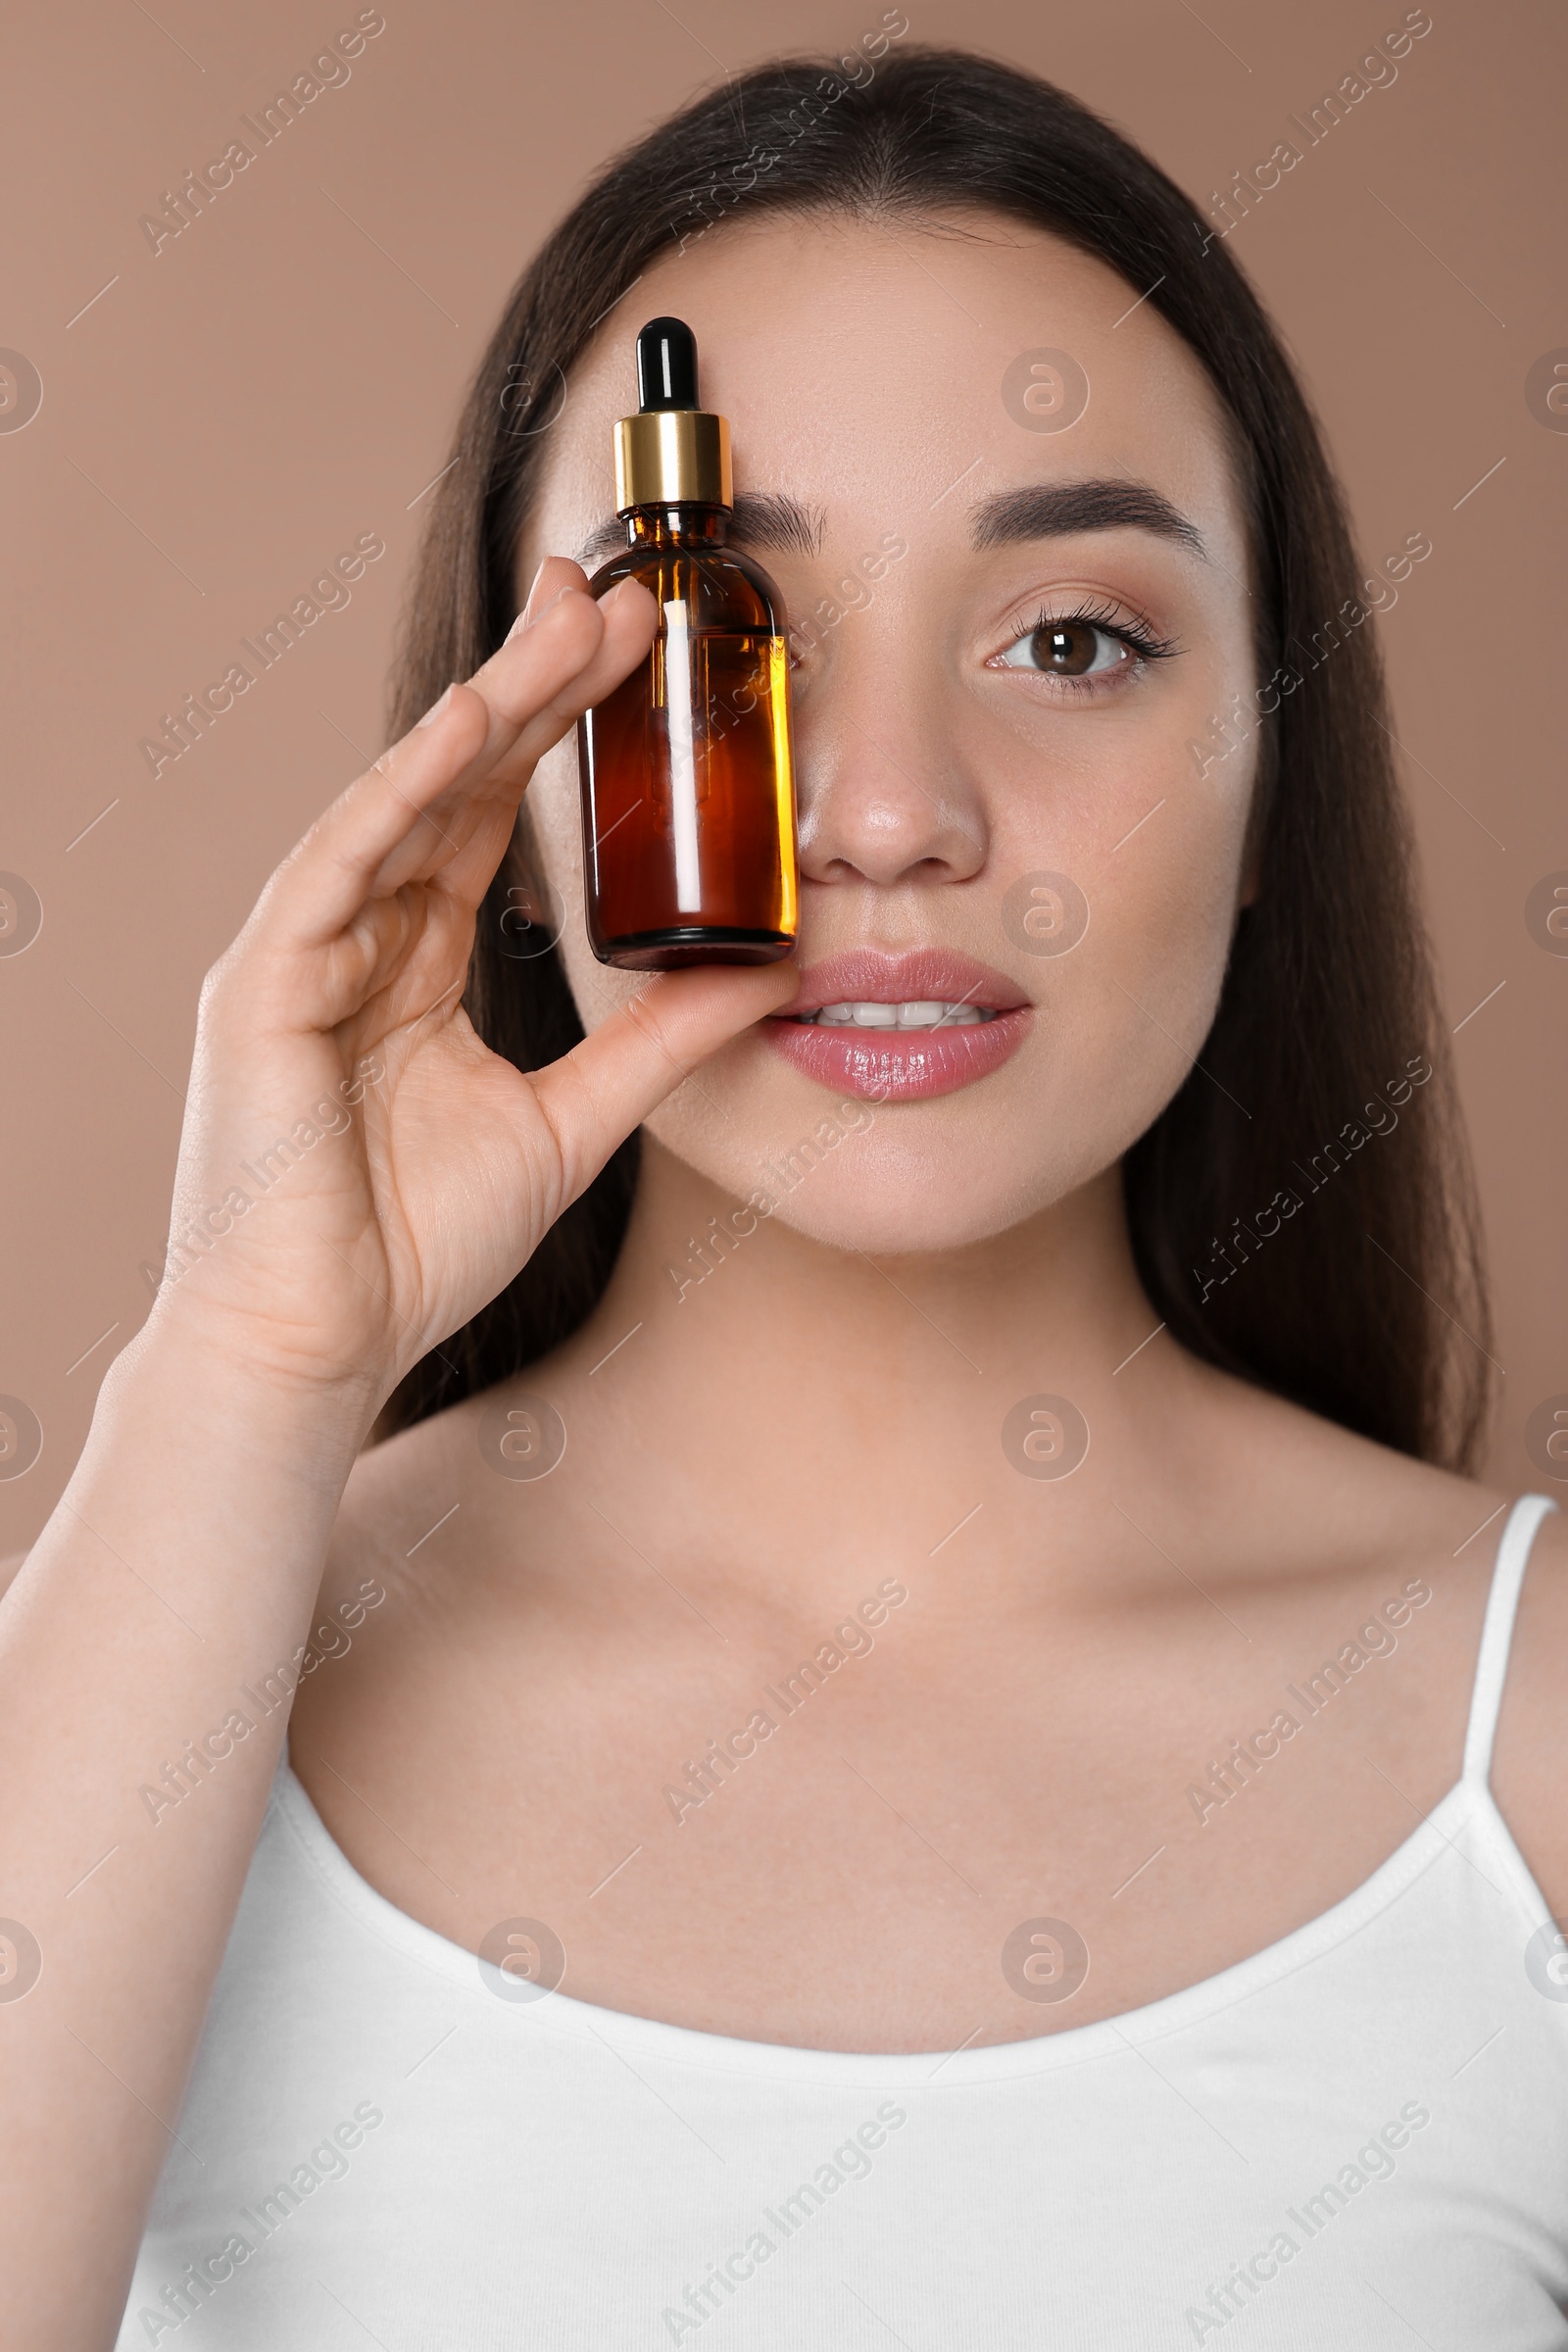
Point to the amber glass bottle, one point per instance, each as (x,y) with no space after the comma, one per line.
(688,795)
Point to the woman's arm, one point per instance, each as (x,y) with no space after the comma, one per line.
(358,1175)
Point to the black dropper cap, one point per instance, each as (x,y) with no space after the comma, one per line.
(666,366)
(671,453)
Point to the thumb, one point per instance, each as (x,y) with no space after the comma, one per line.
(593,1096)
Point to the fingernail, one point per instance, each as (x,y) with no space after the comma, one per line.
(435,710)
(526,615)
(527,621)
(522,617)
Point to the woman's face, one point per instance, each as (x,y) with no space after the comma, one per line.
(997,497)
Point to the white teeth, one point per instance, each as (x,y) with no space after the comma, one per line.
(926,1014)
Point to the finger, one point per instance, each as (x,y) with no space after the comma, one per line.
(417,808)
(554,574)
(521,731)
(597,1093)
(396,942)
(568,655)
(473,816)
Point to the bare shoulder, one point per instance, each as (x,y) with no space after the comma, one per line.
(1529,1764)
(1359,1510)
(1320,1503)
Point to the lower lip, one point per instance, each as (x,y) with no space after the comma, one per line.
(900,1065)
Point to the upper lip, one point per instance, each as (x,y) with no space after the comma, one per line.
(917,975)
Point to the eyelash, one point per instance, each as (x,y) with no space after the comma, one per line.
(1145,643)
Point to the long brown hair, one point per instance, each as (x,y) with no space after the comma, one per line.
(1364,1299)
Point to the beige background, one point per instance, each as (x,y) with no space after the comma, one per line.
(231,413)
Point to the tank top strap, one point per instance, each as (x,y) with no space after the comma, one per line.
(1496,1631)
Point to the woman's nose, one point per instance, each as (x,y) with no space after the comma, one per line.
(883,791)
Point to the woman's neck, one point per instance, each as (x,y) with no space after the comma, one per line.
(837,1402)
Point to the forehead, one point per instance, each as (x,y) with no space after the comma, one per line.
(925,364)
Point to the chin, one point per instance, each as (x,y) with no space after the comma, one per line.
(884,1218)
(889,1179)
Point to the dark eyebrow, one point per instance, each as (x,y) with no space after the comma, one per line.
(757,518)
(1051,510)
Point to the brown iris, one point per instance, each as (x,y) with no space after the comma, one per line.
(1067,648)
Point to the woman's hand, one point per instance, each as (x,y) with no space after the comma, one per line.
(359,1174)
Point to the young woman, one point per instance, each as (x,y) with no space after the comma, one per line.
(894,1666)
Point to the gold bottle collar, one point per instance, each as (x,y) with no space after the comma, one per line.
(671,457)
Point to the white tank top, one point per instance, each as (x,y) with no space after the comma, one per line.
(1355,2138)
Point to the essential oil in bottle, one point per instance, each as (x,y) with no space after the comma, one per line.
(688,794)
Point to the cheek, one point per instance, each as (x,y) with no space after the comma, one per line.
(554,813)
(1163,899)
(1132,1016)
(1140,853)
(552,805)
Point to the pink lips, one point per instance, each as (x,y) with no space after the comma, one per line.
(901,1065)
